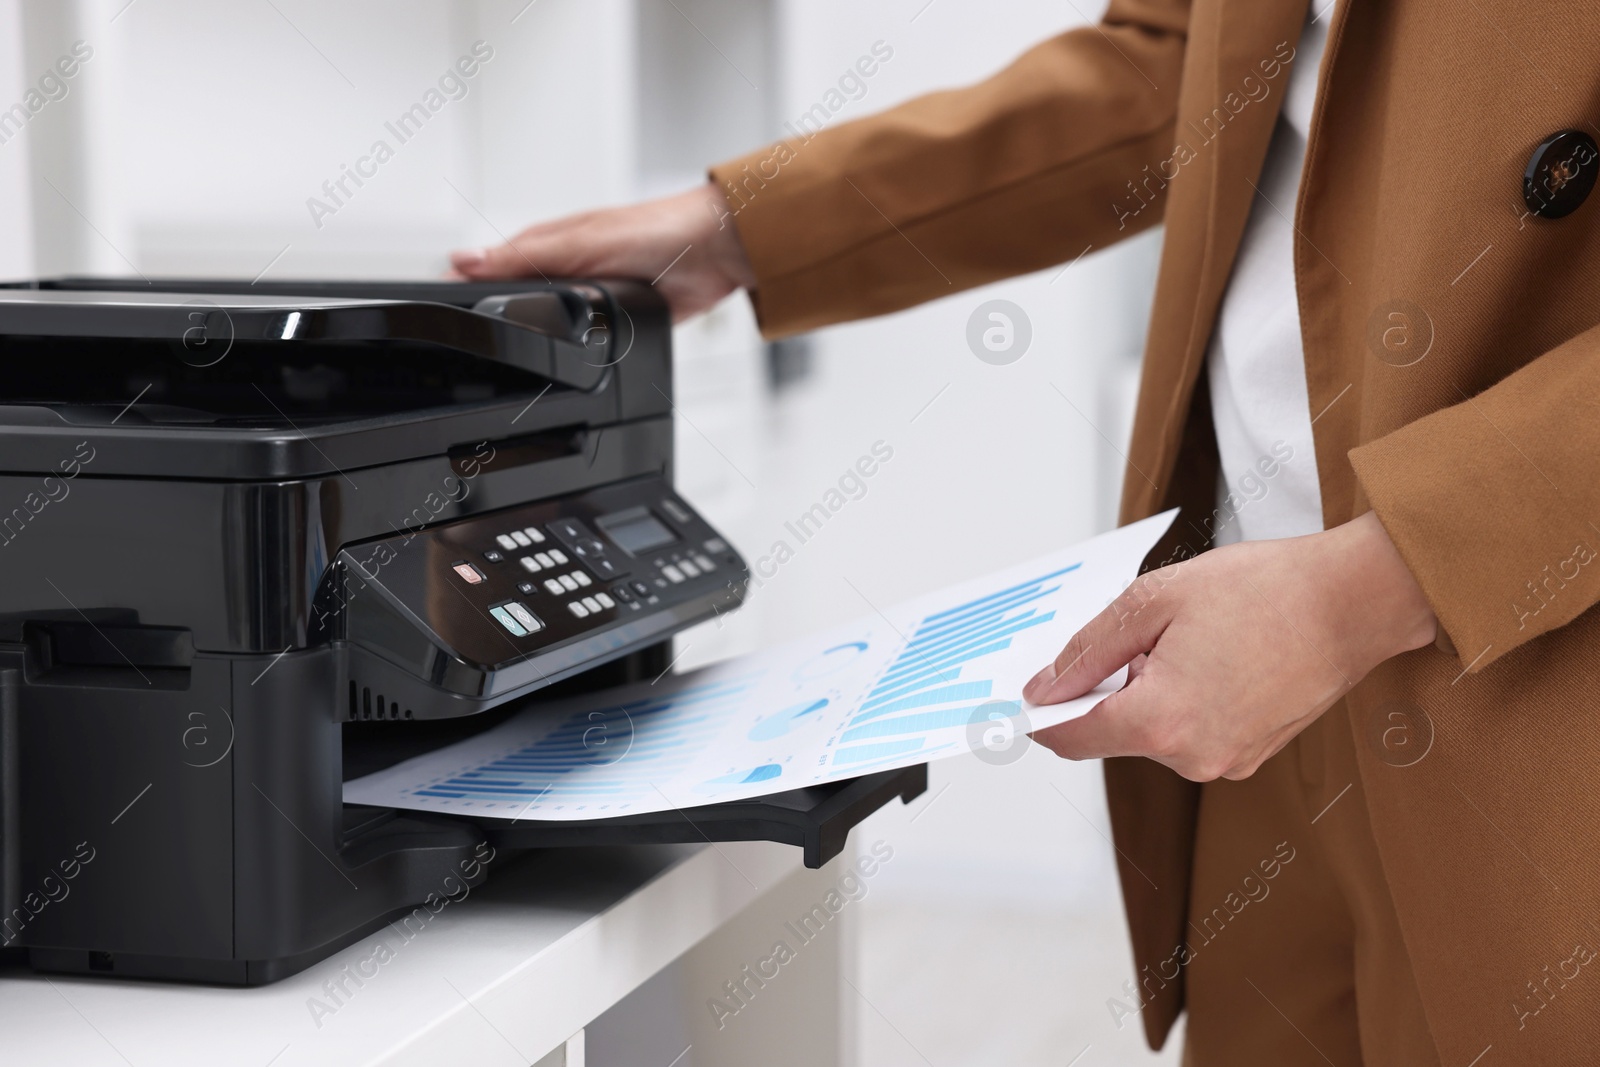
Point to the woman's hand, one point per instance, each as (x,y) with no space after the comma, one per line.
(685,244)
(1232,653)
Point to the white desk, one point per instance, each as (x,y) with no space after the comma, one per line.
(513,975)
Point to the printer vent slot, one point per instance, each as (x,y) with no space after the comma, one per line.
(365,705)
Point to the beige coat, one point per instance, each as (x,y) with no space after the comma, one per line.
(1479,458)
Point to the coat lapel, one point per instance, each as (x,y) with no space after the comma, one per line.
(1228,108)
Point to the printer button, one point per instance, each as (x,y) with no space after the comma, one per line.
(494,556)
(705,563)
(580,577)
(545,559)
(689,569)
(522,539)
(716,544)
(525,617)
(530,564)
(469,574)
(592,604)
(570,531)
(526,588)
(568,582)
(605,600)
(578,609)
(535,534)
(505,619)
(624,594)
(553,586)
(558,555)
(641,588)
(604,567)
(672,573)
(506,543)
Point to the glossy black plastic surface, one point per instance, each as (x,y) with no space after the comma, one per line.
(238,563)
(170,402)
(818,819)
(549,336)
(443,604)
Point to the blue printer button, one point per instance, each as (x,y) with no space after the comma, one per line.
(504,618)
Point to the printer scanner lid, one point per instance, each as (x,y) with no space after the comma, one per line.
(219,379)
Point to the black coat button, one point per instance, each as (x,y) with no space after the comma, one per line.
(1560,174)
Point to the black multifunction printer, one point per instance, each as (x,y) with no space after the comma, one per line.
(260,539)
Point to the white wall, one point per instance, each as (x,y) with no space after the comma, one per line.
(16,215)
(195,136)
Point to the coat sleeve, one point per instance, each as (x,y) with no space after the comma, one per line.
(1494,504)
(958,188)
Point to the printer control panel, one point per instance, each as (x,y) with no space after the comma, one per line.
(524,596)
(563,567)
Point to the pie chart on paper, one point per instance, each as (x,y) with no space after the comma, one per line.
(791,718)
(766,772)
(830,660)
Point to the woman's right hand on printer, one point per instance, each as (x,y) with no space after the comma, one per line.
(685,245)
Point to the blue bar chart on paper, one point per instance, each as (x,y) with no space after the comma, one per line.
(923,690)
(912,684)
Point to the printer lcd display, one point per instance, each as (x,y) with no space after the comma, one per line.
(636,531)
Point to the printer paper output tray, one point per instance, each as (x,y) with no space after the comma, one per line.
(818,819)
